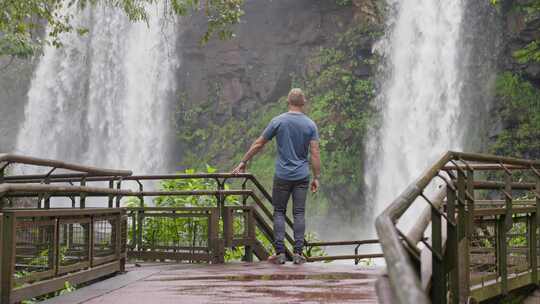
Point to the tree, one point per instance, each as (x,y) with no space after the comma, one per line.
(21,21)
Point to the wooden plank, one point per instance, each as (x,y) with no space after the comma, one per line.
(73,267)
(259,251)
(493,289)
(173,256)
(30,224)
(345,257)
(342,243)
(176,215)
(68,212)
(103,260)
(54,284)
(34,277)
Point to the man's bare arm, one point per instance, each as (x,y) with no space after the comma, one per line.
(315,164)
(255,148)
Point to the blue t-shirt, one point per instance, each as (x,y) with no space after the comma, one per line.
(293,131)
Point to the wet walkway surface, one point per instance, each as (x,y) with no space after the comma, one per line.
(233,283)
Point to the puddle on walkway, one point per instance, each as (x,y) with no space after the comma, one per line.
(268,277)
(324,297)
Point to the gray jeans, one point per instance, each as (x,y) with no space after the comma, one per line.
(281,192)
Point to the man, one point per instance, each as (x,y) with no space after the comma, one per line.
(297,138)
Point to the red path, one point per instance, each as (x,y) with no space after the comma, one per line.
(232,283)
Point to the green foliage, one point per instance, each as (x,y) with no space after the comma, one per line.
(530,53)
(344,2)
(184,231)
(530,11)
(340,100)
(311,237)
(341,103)
(520,115)
(22,20)
(42,259)
(519,235)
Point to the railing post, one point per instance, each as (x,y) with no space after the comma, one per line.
(533,259)
(47,201)
(221,197)
(501,253)
(8,257)
(228,223)
(111,197)
(140,224)
(91,242)
(83,195)
(452,253)
(54,253)
(504,225)
(215,244)
(249,221)
(537,222)
(463,240)
(134,215)
(118,197)
(124,240)
(244,196)
(470,202)
(438,288)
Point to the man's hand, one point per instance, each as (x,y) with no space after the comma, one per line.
(241,168)
(255,148)
(314,185)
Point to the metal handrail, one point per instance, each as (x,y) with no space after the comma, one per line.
(404,280)
(55,164)
(35,189)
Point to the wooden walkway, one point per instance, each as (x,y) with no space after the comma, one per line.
(232,283)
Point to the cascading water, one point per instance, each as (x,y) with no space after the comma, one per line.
(420,95)
(102,99)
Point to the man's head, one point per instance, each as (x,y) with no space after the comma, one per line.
(296,98)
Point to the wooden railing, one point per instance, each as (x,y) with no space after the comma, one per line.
(469,253)
(192,234)
(177,234)
(112,185)
(43,249)
(246,185)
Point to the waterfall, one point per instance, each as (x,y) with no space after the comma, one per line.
(420,95)
(102,99)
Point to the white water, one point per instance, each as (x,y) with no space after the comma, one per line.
(420,95)
(102,99)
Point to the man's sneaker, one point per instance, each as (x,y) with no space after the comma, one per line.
(278,259)
(298,259)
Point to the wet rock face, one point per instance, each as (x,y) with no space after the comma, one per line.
(272,43)
(522,30)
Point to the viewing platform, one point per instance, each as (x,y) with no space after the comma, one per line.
(209,243)
(259,282)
